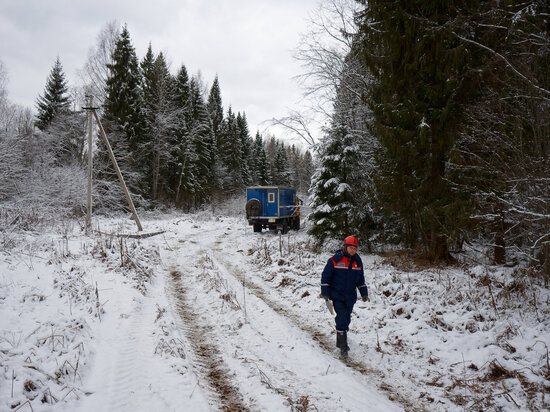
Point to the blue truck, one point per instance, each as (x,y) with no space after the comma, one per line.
(272,207)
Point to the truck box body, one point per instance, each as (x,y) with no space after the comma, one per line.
(272,207)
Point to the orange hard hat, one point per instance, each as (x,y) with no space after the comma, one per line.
(350,241)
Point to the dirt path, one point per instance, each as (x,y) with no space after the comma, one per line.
(325,341)
(250,352)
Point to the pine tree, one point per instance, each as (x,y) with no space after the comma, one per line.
(261,164)
(55,99)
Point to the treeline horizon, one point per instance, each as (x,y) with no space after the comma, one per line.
(174,141)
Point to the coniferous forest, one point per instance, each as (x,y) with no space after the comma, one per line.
(440,130)
(174,141)
(438,133)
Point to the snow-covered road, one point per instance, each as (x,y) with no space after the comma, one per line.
(207,315)
(209,334)
(246,350)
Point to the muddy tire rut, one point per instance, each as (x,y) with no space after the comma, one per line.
(325,341)
(209,363)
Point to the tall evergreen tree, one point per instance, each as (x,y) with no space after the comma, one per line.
(200,133)
(55,99)
(215,109)
(334,183)
(161,122)
(421,81)
(231,152)
(124,102)
(124,122)
(280,173)
(261,165)
(185,178)
(306,171)
(245,142)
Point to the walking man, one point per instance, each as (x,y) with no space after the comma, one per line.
(343,273)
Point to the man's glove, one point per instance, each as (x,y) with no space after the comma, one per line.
(365,298)
(324,297)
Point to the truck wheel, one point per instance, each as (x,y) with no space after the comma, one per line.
(258,227)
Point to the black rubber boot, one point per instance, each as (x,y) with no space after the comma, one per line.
(342,342)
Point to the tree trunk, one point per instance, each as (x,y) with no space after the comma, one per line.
(438,250)
(499,253)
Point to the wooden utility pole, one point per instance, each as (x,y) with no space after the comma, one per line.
(119,174)
(92,110)
(89,204)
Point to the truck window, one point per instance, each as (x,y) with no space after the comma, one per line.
(271,197)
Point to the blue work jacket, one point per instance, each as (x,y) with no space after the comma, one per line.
(341,276)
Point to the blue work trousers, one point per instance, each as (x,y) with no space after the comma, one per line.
(343,314)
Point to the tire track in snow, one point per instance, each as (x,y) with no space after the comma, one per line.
(128,381)
(206,354)
(396,394)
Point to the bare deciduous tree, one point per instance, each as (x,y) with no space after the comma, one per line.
(322,54)
(94,74)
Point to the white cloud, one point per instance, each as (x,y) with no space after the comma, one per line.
(248,44)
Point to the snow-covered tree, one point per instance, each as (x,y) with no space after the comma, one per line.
(55,99)
(200,133)
(124,119)
(245,142)
(184,180)
(261,165)
(215,109)
(280,172)
(335,185)
(161,122)
(231,152)
(124,100)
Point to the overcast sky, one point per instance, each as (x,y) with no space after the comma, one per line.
(247,43)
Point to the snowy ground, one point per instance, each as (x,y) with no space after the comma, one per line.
(209,315)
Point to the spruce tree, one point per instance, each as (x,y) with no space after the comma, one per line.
(231,152)
(281,170)
(161,122)
(306,171)
(334,183)
(55,99)
(421,80)
(215,109)
(124,102)
(200,133)
(245,142)
(124,123)
(184,177)
(261,164)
